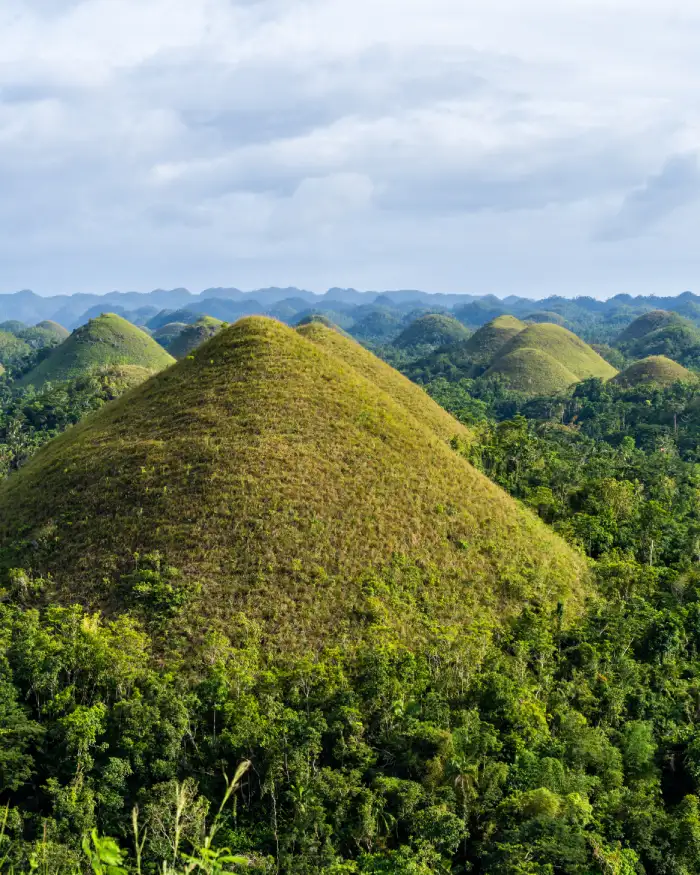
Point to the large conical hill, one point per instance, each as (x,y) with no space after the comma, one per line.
(653,369)
(287,486)
(564,347)
(400,388)
(532,372)
(107,340)
(489,340)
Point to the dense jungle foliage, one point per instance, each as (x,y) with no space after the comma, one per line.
(571,746)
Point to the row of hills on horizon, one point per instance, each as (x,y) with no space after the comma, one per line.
(345,307)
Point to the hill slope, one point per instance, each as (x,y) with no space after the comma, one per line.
(400,388)
(564,347)
(489,340)
(194,335)
(106,340)
(281,481)
(533,372)
(653,369)
(432,330)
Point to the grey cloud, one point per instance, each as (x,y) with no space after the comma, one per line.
(676,185)
(267,143)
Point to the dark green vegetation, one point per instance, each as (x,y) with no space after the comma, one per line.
(104,341)
(654,369)
(412,708)
(13,350)
(194,335)
(30,417)
(432,329)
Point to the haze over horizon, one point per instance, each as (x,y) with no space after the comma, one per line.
(424,144)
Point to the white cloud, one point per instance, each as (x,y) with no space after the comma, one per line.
(440,143)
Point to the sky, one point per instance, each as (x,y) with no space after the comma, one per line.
(447,145)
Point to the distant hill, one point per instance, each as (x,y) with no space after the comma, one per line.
(432,330)
(546,316)
(194,335)
(533,372)
(564,347)
(648,323)
(286,485)
(167,333)
(13,326)
(653,369)
(662,333)
(320,319)
(104,341)
(43,334)
(489,340)
(378,325)
(167,317)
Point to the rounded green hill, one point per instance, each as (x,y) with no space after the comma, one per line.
(106,340)
(288,486)
(44,334)
(194,335)
(653,369)
(564,347)
(487,342)
(54,328)
(661,333)
(647,323)
(532,372)
(433,329)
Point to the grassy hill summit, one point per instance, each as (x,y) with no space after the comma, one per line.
(54,328)
(400,388)
(433,329)
(564,347)
(284,483)
(653,369)
(194,335)
(106,340)
(533,372)
(489,340)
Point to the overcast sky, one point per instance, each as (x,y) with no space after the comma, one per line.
(503,147)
